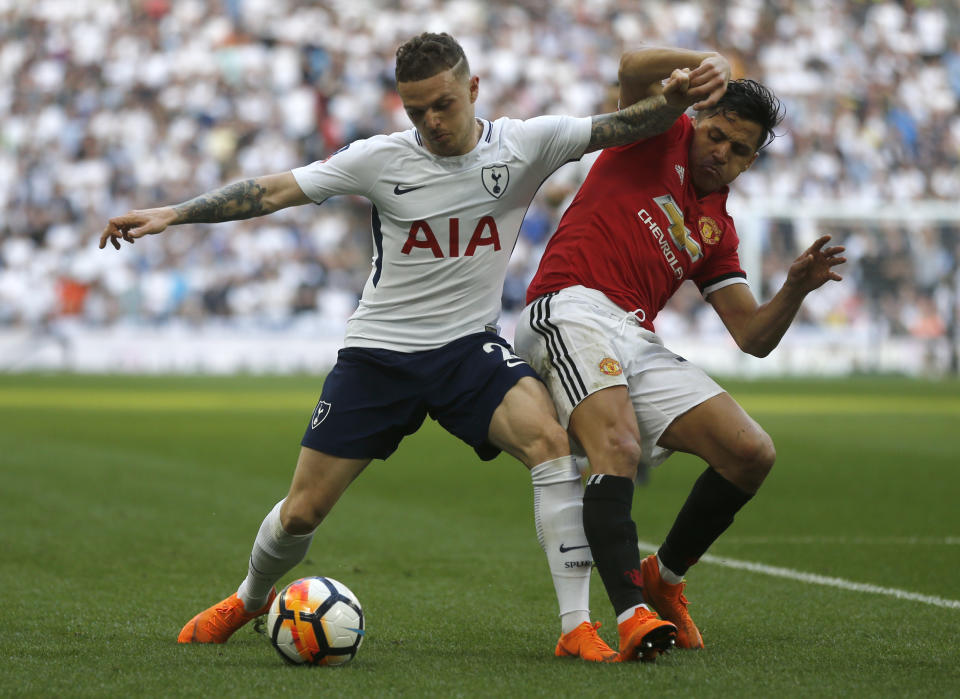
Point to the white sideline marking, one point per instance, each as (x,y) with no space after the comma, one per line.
(857,540)
(820,579)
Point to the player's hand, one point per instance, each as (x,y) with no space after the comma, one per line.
(708,81)
(136,224)
(675,89)
(814,267)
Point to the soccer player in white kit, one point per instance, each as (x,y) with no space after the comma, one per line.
(448,199)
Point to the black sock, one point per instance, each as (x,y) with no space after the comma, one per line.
(612,536)
(708,511)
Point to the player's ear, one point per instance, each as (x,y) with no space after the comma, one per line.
(474,87)
(750,162)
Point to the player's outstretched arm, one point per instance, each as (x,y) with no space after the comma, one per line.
(759,329)
(695,79)
(240,200)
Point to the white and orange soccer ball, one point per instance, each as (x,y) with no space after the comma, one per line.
(316,621)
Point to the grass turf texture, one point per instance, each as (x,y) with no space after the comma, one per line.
(129,504)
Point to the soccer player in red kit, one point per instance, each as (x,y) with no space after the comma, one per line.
(649,216)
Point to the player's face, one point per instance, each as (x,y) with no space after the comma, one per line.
(723,146)
(441,107)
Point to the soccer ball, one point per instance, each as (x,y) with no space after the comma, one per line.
(316,621)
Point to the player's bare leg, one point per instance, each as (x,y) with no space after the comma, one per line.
(318,483)
(721,433)
(281,543)
(605,425)
(525,425)
(740,455)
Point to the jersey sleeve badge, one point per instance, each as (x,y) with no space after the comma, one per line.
(709,230)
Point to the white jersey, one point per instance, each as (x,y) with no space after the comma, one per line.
(443,227)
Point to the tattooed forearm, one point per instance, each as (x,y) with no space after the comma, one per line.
(234,202)
(648,117)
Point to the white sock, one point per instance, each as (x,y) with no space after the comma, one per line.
(627,613)
(667,574)
(558,515)
(274,553)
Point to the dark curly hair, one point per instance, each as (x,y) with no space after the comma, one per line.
(426,55)
(750,100)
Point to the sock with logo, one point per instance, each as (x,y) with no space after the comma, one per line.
(607,501)
(274,553)
(708,511)
(558,515)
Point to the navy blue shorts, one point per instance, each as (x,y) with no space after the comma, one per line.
(373,398)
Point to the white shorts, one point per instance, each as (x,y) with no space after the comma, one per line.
(580,342)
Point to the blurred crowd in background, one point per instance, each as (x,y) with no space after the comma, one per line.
(109,105)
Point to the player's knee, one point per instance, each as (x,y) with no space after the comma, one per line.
(300,516)
(550,441)
(619,455)
(755,456)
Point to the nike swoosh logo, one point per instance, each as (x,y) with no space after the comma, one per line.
(564,549)
(403,190)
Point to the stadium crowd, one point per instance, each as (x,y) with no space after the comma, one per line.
(107,105)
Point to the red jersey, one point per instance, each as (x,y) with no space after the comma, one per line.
(636,229)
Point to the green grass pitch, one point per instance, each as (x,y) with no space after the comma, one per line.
(129,504)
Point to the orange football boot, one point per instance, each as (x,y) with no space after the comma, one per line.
(670,603)
(217,624)
(644,636)
(584,642)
